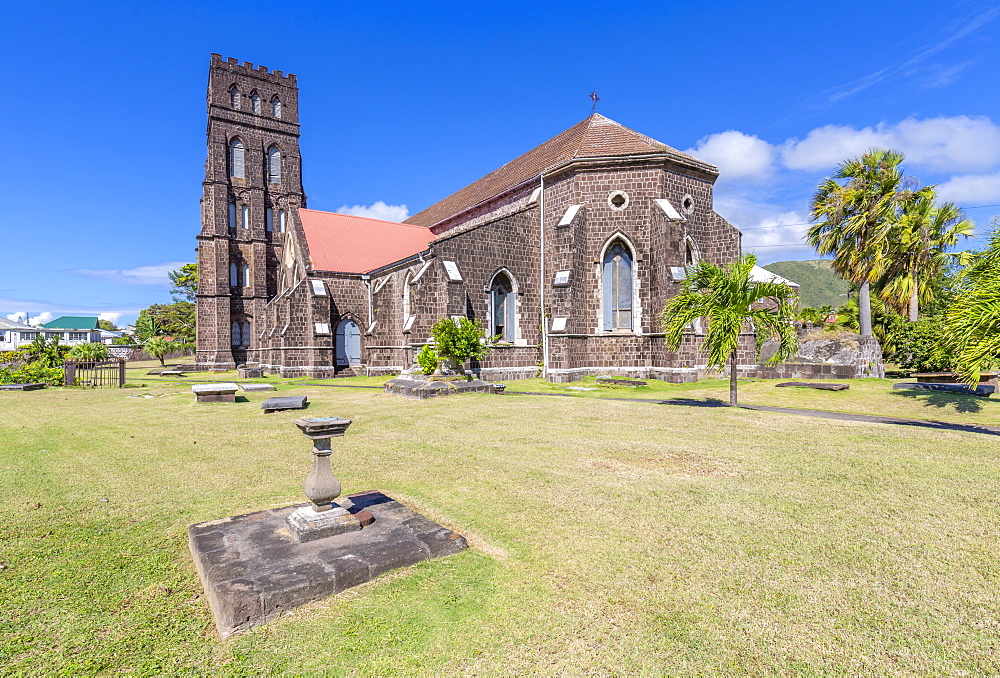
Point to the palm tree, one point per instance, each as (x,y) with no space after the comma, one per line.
(158,347)
(917,250)
(972,323)
(855,218)
(729,298)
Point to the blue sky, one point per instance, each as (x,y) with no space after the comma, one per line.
(404,103)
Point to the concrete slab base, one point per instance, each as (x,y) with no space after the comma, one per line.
(21,387)
(420,387)
(253,569)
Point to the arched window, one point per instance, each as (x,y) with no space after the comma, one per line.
(502,307)
(274,166)
(234,275)
(234,96)
(407,310)
(691,256)
(269,219)
(255,102)
(246,275)
(276,107)
(281,221)
(232,215)
(246,216)
(237,167)
(237,334)
(618,287)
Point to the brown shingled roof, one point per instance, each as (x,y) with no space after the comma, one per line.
(594,137)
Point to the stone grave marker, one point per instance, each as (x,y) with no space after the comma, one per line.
(224,392)
(284,403)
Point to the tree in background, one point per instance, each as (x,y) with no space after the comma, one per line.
(855,218)
(917,253)
(185,282)
(972,322)
(729,298)
(88,352)
(107,325)
(176,320)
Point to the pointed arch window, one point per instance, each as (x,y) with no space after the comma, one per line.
(276,107)
(234,275)
(269,219)
(502,306)
(232,215)
(234,96)
(407,305)
(237,164)
(617,278)
(274,166)
(691,256)
(246,216)
(281,221)
(240,336)
(255,102)
(246,275)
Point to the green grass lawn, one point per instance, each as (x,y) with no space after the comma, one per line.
(606,536)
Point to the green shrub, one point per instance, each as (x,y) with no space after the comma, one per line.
(32,373)
(158,347)
(917,346)
(460,338)
(427,359)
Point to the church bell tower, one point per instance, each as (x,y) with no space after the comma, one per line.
(253,183)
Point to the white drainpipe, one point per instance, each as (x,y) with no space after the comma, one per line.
(541,278)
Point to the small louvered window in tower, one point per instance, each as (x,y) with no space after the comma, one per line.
(232,215)
(246,216)
(276,107)
(234,97)
(237,166)
(269,219)
(255,102)
(618,287)
(234,275)
(246,275)
(281,221)
(274,166)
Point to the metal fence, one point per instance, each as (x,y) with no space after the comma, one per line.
(95,373)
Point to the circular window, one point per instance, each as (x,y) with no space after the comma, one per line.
(687,204)
(618,200)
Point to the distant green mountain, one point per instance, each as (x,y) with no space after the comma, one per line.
(818,284)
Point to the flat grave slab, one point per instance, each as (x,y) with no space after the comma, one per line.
(250,372)
(822,386)
(420,386)
(171,373)
(21,387)
(983,390)
(253,569)
(223,392)
(611,381)
(284,403)
(257,387)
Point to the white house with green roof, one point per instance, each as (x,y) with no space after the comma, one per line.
(70,329)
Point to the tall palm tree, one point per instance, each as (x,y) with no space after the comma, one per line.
(855,218)
(917,253)
(729,298)
(972,323)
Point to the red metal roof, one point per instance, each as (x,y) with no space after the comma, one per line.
(350,244)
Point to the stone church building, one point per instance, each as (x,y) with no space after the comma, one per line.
(567,253)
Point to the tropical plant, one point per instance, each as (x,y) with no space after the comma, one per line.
(44,353)
(33,373)
(107,325)
(855,218)
(917,252)
(729,298)
(176,320)
(918,346)
(122,341)
(427,359)
(88,352)
(158,347)
(972,322)
(460,339)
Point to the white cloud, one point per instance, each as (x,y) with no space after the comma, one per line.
(957,143)
(738,156)
(110,316)
(971,189)
(154,274)
(377,210)
(772,232)
(41,318)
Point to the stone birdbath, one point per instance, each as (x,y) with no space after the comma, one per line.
(323,517)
